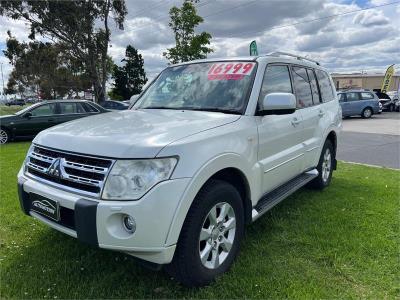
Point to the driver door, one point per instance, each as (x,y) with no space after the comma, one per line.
(42,117)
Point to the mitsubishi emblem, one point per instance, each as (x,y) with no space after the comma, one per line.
(55,168)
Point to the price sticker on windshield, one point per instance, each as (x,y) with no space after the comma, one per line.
(230,70)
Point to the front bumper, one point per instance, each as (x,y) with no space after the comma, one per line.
(99,222)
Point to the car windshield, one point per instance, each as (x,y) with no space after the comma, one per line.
(214,86)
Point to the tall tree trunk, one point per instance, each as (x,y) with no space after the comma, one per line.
(104,52)
(94,76)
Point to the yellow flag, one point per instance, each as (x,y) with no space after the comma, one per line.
(387,79)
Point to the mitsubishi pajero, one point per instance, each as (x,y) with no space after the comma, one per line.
(210,146)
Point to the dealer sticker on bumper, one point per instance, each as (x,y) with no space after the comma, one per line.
(46,207)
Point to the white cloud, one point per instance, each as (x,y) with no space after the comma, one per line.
(366,40)
(371,18)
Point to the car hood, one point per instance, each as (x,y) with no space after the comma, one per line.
(130,133)
(7,118)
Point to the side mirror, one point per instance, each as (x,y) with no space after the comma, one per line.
(28,115)
(278,104)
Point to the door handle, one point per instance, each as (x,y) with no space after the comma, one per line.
(51,120)
(295,122)
(321,113)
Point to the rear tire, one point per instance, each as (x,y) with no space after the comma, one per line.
(210,237)
(366,113)
(325,167)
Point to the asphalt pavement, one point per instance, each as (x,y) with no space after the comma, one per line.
(374,141)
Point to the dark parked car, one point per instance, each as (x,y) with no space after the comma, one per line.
(20,102)
(33,119)
(364,103)
(388,104)
(115,105)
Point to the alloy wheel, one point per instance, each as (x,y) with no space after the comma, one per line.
(217,235)
(326,165)
(3,136)
(367,113)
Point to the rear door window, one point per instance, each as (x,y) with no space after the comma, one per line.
(71,108)
(353,96)
(314,86)
(302,87)
(327,92)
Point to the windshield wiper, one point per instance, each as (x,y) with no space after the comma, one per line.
(211,109)
(161,107)
(216,109)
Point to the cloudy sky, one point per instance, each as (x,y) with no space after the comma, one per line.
(367,40)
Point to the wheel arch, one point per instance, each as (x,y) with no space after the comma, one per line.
(369,107)
(236,178)
(332,136)
(228,167)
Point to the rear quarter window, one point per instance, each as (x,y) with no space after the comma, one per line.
(89,108)
(325,86)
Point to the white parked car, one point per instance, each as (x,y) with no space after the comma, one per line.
(209,147)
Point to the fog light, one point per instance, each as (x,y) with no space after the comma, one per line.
(129,223)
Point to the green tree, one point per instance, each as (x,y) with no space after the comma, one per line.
(80,26)
(43,68)
(189,45)
(129,78)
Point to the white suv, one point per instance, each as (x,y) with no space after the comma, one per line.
(209,147)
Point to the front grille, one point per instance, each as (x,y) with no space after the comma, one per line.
(80,173)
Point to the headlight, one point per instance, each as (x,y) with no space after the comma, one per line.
(25,163)
(131,179)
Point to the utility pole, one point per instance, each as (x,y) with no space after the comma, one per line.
(2,76)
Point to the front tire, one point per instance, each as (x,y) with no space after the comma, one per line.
(210,237)
(4,136)
(325,167)
(366,113)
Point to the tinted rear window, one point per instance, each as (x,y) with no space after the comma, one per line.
(302,87)
(327,93)
(90,108)
(314,86)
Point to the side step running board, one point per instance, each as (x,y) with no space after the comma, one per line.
(271,199)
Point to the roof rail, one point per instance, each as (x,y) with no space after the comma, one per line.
(278,53)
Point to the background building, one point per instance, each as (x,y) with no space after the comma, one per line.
(364,81)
